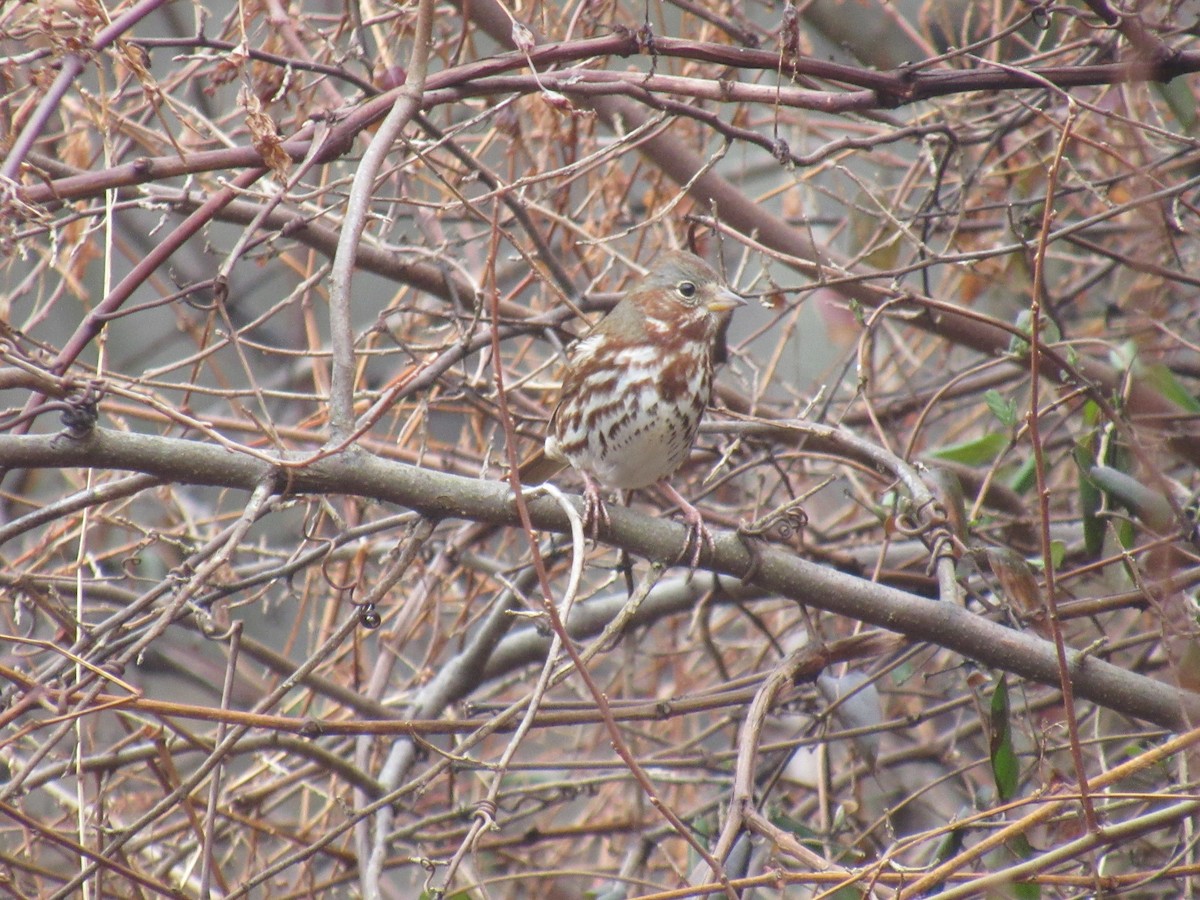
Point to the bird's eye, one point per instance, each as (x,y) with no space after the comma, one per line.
(686,289)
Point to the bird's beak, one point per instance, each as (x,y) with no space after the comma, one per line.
(723,301)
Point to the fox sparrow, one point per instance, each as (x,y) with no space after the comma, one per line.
(636,386)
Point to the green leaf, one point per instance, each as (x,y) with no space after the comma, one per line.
(976,452)
(951,845)
(858,311)
(1049,333)
(1006,770)
(1020,847)
(1024,890)
(1089,500)
(1123,356)
(806,834)
(1017,346)
(1149,505)
(849,892)
(1178,96)
(812,838)
(1125,534)
(1170,387)
(1025,477)
(1003,408)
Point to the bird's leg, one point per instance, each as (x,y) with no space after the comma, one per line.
(698,535)
(594,513)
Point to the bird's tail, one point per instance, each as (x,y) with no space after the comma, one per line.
(538,468)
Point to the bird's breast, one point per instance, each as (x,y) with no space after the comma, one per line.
(633,411)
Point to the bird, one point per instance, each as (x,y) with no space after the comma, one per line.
(636,386)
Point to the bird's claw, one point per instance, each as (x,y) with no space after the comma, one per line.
(698,537)
(595,514)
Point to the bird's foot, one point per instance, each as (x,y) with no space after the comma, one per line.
(699,536)
(595,515)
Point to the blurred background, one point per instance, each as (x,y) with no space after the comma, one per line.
(897,188)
